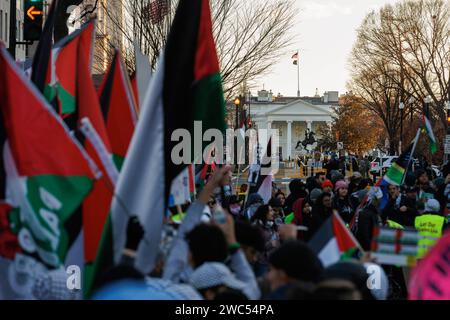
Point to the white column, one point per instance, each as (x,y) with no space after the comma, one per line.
(289,139)
(269,125)
(309,125)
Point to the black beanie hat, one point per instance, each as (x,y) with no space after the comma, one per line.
(298,261)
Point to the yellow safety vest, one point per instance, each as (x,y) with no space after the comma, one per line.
(430,230)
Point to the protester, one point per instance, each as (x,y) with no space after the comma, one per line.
(213,278)
(327,187)
(282,197)
(316,182)
(425,189)
(368,218)
(196,244)
(233,205)
(430,225)
(332,166)
(352,271)
(292,262)
(298,190)
(265,219)
(251,239)
(314,195)
(243,188)
(278,211)
(400,208)
(302,216)
(335,176)
(357,196)
(253,203)
(321,211)
(355,180)
(341,201)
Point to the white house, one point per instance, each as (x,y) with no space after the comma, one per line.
(292,117)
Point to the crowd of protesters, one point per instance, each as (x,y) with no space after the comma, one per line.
(234,248)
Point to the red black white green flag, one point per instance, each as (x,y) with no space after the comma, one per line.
(118,108)
(186,87)
(48,172)
(62,79)
(334,241)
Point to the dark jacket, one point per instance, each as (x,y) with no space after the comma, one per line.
(426,189)
(368,219)
(320,215)
(271,240)
(301,219)
(298,190)
(344,208)
(330,166)
(392,211)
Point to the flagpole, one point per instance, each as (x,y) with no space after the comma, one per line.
(298,74)
(416,140)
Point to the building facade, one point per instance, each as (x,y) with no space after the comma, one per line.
(21,50)
(110,20)
(294,118)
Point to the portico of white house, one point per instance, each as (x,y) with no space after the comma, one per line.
(292,121)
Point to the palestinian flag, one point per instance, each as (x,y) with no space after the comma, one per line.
(62,80)
(429,130)
(333,241)
(41,69)
(396,173)
(203,170)
(118,108)
(48,173)
(186,87)
(85,107)
(97,205)
(263,183)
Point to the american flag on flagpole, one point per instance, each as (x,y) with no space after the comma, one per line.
(295,57)
(157,10)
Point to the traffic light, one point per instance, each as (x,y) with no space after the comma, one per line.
(33,16)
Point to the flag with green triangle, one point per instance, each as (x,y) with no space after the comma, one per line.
(61,82)
(48,172)
(118,108)
(186,87)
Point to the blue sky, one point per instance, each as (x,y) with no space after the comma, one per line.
(325,33)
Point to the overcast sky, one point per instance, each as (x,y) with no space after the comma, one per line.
(326,32)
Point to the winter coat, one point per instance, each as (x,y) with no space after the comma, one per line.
(368,219)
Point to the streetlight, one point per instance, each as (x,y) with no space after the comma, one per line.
(249,108)
(402,108)
(237,103)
